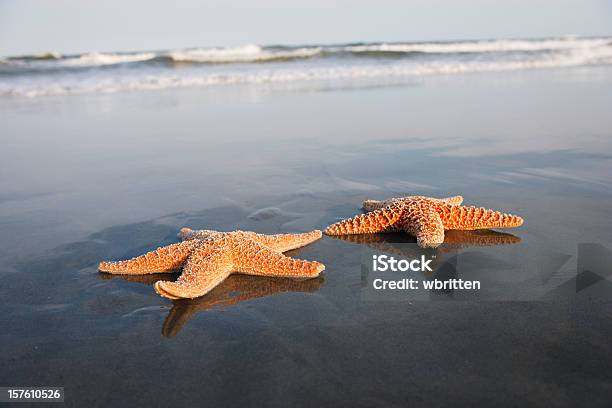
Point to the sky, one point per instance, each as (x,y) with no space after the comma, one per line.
(71,26)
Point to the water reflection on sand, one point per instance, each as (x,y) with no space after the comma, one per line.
(235,289)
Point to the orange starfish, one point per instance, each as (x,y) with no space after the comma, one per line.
(208,257)
(424,217)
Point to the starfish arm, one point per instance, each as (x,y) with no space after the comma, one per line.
(382,220)
(186,234)
(454,200)
(286,242)
(426,225)
(253,258)
(470,218)
(164,259)
(279,242)
(373,205)
(204,270)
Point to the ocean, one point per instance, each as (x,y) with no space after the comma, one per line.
(356,64)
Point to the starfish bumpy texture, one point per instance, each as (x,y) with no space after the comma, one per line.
(209,257)
(424,217)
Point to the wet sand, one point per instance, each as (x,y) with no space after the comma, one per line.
(95,177)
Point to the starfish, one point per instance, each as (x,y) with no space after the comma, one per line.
(209,257)
(424,217)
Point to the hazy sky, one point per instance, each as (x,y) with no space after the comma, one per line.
(33,26)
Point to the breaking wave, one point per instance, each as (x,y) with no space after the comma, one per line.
(249,53)
(484,46)
(56,74)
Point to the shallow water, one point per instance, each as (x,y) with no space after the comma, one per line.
(94,177)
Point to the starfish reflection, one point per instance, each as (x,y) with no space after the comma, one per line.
(235,289)
(454,241)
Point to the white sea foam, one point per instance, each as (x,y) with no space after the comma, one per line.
(483,46)
(248,53)
(54,60)
(96,59)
